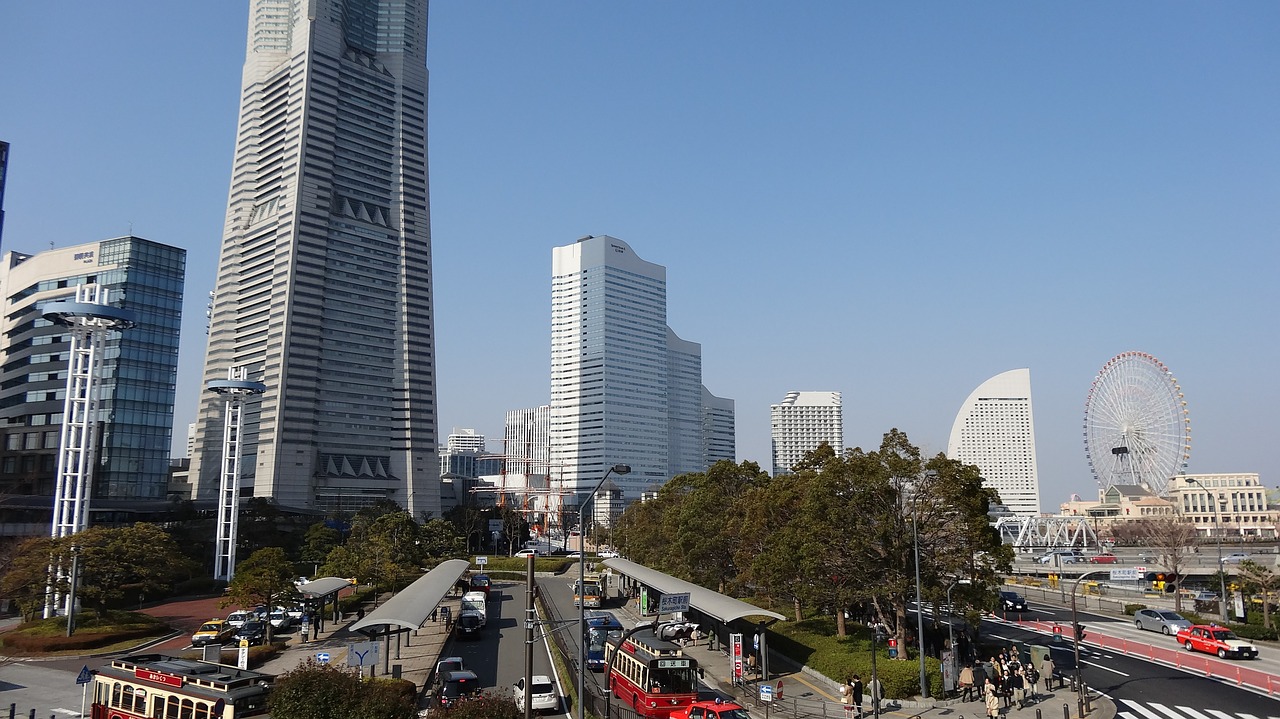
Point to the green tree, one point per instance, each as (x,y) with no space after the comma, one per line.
(266,577)
(319,540)
(1259,579)
(26,575)
(325,691)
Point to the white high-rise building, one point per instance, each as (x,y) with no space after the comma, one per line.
(324,281)
(801,422)
(465,440)
(624,388)
(994,430)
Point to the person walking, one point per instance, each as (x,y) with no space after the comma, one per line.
(1033,678)
(1017,688)
(877,695)
(855,693)
(979,680)
(1047,670)
(966,683)
(992,699)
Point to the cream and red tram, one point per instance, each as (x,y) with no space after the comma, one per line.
(155,686)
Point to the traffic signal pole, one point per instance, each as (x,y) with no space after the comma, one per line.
(1082,696)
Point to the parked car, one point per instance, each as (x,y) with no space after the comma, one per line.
(446,665)
(542,694)
(1060,556)
(528,553)
(237,619)
(457,686)
(469,625)
(1235,558)
(214,631)
(280,619)
(608,554)
(1160,620)
(1104,558)
(255,631)
(1012,602)
(480,583)
(1213,639)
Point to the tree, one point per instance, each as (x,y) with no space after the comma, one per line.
(325,691)
(1261,580)
(1172,538)
(485,706)
(319,540)
(264,578)
(26,575)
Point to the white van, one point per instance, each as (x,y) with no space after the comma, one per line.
(475,602)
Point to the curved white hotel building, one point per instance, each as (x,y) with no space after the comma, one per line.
(801,422)
(995,431)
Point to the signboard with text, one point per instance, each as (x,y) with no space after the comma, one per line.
(673,603)
(1125,575)
(735,651)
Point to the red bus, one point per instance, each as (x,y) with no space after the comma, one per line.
(652,675)
(154,686)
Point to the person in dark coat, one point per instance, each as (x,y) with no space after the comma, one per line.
(979,678)
(855,692)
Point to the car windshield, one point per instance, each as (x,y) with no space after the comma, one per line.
(469,620)
(1171,616)
(210,627)
(734,714)
(458,687)
(1223,635)
(251,627)
(542,688)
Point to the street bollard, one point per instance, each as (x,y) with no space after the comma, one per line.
(1037,712)
(1066,711)
(13,710)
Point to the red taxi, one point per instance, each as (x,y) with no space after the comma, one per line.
(718,709)
(1213,639)
(1104,558)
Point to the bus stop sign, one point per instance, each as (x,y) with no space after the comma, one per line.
(672,603)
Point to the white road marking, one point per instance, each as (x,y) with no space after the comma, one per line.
(1167,710)
(1141,709)
(1193,713)
(1099,666)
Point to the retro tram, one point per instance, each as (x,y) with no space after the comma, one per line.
(652,675)
(155,686)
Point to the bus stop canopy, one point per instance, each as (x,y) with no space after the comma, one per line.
(414,604)
(323,587)
(712,604)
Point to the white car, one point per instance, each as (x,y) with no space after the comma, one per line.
(543,696)
(280,619)
(1235,558)
(528,553)
(608,554)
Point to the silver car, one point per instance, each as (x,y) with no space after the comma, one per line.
(1160,620)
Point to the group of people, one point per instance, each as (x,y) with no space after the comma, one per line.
(1005,679)
(852,690)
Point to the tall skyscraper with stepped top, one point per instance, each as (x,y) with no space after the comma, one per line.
(994,430)
(624,388)
(324,282)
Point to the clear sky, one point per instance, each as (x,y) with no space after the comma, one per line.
(893,200)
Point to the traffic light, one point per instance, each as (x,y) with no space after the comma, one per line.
(1080,633)
(893,648)
(1170,587)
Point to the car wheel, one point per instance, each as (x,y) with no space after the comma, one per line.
(1222,653)
(1165,630)
(1189,646)
(1137,624)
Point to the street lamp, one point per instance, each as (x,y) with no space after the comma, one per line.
(71,591)
(1222,570)
(915,540)
(582,587)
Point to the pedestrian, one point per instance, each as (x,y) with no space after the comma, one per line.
(966,683)
(751,663)
(877,694)
(979,680)
(991,699)
(855,693)
(1033,678)
(359,613)
(1047,670)
(1017,687)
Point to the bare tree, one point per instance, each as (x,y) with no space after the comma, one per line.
(1263,580)
(1172,538)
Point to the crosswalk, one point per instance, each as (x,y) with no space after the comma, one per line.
(1127,709)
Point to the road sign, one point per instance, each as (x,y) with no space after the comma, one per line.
(1139,569)
(1125,575)
(672,603)
(777,691)
(495,525)
(322,657)
(85,676)
(481,561)
(363,654)
(766,692)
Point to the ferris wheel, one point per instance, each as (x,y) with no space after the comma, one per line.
(1137,429)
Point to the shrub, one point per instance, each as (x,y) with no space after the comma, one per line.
(92,632)
(813,642)
(1253,631)
(1130,609)
(355,599)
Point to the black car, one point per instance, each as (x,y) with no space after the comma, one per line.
(469,625)
(255,632)
(1012,602)
(456,687)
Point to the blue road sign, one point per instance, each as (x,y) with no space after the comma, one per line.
(322,657)
(85,675)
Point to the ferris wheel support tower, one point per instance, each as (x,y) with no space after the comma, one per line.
(235,389)
(89,318)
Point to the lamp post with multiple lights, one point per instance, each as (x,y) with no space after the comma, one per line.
(582,583)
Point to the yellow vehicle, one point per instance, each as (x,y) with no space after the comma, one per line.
(214,631)
(594,593)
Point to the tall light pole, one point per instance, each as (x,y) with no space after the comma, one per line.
(915,540)
(582,588)
(1078,632)
(1222,570)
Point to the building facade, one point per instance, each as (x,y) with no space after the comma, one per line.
(800,423)
(136,392)
(624,388)
(995,430)
(324,289)
(1224,504)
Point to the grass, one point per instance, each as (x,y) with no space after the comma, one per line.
(112,631)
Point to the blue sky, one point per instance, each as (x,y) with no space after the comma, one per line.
(893,200)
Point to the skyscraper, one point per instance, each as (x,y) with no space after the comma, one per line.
(624,388)
(324,282)
(994,430)
(801,422)
(138,375)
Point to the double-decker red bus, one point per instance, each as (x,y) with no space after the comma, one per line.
(653,675)
(154,686)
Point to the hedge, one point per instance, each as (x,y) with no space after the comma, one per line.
(1130,609)
(812,642)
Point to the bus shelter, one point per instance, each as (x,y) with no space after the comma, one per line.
(721,611)
(317,595)
(408,610)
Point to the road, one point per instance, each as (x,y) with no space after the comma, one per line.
(1144,689)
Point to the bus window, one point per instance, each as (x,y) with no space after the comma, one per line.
(157,707)
(202,710)
(188,709)
(139,701)
(172,711)
(115,695)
